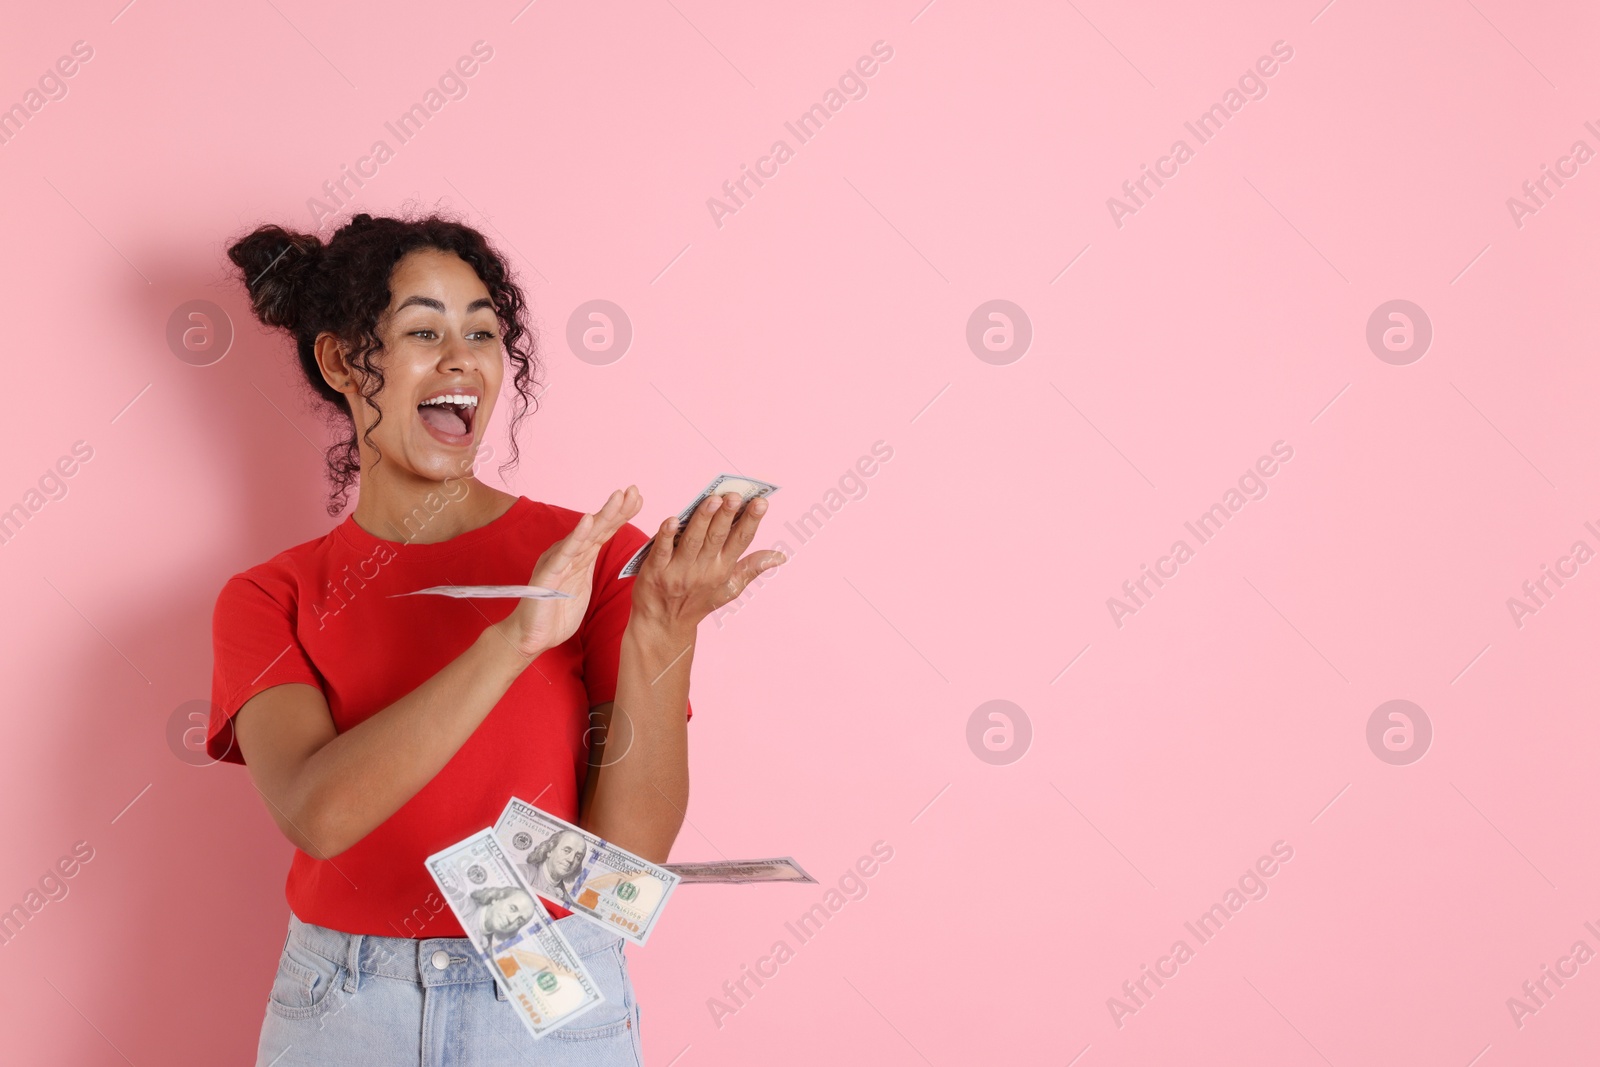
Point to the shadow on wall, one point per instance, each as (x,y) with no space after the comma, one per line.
(168,941)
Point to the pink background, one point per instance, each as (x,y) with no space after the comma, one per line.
(828,313)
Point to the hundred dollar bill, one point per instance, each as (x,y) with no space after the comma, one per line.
(741,872)
(523,592)
(583,873)
(513,935)
(747,488)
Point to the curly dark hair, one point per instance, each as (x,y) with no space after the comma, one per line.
(305,287)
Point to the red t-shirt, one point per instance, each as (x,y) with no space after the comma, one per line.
(321,614)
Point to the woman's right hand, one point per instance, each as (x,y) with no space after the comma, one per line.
(568,567)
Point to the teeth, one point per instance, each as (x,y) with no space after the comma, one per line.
(460,399)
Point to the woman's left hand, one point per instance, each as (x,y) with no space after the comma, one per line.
(678,585)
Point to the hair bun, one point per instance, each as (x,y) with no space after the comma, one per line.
(276,266)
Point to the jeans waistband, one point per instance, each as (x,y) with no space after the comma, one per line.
(433,961)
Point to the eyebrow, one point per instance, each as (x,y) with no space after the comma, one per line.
(429,302)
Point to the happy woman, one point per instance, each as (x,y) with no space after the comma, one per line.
(379,728)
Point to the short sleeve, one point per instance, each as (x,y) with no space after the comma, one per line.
(254,647)
(610,605)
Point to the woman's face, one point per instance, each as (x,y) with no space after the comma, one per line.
(440,340)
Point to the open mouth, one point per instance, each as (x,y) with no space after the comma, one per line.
(449,416)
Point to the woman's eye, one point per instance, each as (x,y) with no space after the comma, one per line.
(487,335)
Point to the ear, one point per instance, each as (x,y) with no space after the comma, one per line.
(331,352)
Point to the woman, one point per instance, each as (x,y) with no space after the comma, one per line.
(380,728)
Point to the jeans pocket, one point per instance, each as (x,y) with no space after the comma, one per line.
(613,1019)
(304,984)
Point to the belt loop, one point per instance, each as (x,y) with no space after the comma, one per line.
(352,964)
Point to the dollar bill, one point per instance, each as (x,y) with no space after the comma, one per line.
(741,872)
(513,935)
(584,873)
(522,592)
(747,488)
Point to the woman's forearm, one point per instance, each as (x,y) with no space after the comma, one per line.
(328,792)
(638,785)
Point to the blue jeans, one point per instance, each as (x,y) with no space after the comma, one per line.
(359,1001)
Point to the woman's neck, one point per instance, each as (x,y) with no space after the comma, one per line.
(427,512)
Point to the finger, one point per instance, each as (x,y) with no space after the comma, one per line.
(721,523)
(604,523)
(573,542)
(662,550)
(744,529)
(629,501)
(694,535)
(753,565)
(633,502)
(610,512)
(620,506)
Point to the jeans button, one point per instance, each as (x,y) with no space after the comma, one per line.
(440,959)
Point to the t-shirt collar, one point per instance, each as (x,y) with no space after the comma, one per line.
(360,539)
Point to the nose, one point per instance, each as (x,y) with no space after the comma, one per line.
(458,355)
